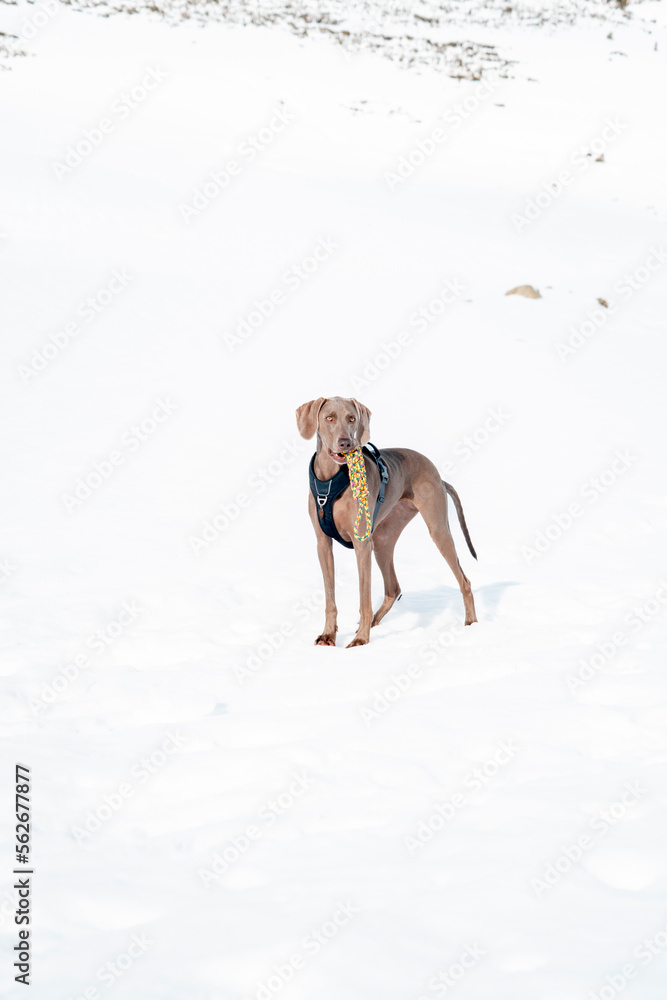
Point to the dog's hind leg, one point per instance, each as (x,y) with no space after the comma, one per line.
(431,499)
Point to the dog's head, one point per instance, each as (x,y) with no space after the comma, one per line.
(342,425)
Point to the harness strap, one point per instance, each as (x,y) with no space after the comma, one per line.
(384,476)
(327,491)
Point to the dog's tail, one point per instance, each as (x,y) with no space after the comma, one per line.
(459,510)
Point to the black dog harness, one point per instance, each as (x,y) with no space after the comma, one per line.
(327,491)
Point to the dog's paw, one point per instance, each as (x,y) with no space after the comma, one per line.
(357,642)
(326,639)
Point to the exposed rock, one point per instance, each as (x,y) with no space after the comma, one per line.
(526,290)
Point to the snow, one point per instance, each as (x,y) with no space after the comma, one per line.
(478,810)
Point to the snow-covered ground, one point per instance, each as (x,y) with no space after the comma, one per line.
(204,226)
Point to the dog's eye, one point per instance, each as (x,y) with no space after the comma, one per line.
(352,419)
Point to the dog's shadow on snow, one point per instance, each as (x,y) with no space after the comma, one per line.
(426,605)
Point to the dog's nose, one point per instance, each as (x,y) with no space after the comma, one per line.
(344,444)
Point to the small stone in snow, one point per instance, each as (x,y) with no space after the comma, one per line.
(526,290)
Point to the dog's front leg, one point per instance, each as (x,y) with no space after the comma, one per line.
(363,552)
(325,555)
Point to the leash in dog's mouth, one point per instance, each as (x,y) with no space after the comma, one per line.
(359,485)
(339,456)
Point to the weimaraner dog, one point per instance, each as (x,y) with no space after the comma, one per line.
(414,485)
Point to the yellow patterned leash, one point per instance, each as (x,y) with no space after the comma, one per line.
(359,484)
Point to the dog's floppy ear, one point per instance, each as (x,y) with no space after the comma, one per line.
(365,420)
(306,417)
